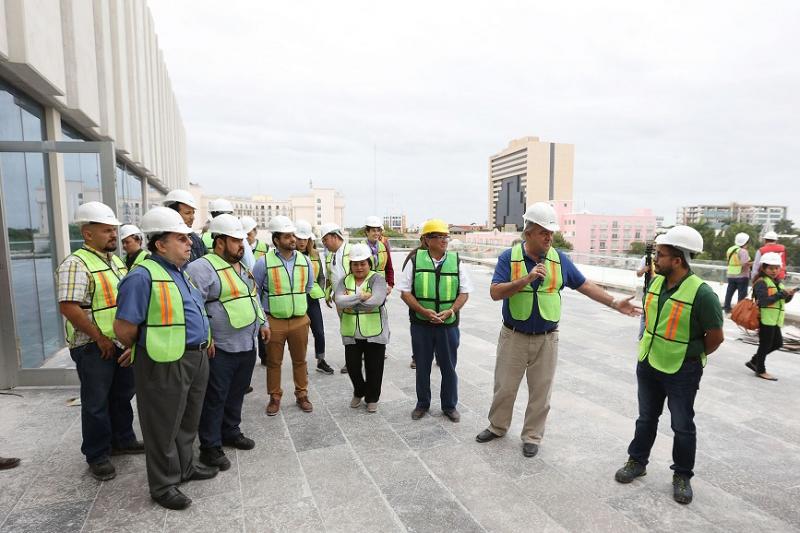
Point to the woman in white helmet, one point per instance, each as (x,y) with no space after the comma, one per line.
(184,203)
(133,243)
(772,298)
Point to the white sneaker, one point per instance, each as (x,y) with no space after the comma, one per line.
(355,402)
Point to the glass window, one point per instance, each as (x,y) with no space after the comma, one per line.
(129,196)
(82,176)
(154,197)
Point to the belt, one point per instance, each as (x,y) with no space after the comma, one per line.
(196,347)
(532,333)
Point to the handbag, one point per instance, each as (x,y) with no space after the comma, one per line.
(746,314)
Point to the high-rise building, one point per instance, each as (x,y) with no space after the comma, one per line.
(395,223)
(720,215)
(525,172)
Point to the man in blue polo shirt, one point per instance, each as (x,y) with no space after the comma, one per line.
(529,278)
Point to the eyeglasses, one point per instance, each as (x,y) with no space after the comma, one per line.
(659,255)
(440,237)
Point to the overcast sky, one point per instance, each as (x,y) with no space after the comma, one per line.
(668,103)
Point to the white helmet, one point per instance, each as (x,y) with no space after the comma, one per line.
(360,252)
(543,214)
(281,224)
(164,220)
(770,258)
(373,222)
(182,196)
(770,236)
(303,230)
(220,205)
(96,212)
(248,223)
(331,227)
(226,224)
(741,239)
(127,230)
(684,238)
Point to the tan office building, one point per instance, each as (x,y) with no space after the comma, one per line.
(527,171)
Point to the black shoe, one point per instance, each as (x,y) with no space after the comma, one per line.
(263,362)
(630,471)
(453,415)
(324,367)
(418,413)
(103,471)
(529,449)
(173,499)
(200,473)
(9,462)
(249,389)
(214,457)
(343,370)
(486,436)
(751,366)
(134,448)
(413,363)
(681,489)
(240,442)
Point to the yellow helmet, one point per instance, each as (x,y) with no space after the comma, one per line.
(435,225)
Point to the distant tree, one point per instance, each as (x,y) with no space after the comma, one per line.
(387,232)
(709,235)
(560,242)
(637,248)
(784,227)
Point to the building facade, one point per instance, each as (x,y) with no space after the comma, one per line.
(719,216)
(395,222)
(604,234)
(526,172)
(87,112)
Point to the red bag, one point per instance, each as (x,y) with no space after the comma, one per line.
(746,314)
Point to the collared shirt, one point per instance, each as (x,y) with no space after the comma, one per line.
(337,264)
(198,248)
(248,259)
(406,279)
(535,324)
(134,298)
(75,283)
(225,336)
(260,273)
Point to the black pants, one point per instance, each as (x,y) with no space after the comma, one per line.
(769,340)
(317,327)
(369,389)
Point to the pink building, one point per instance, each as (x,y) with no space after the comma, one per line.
(604,234)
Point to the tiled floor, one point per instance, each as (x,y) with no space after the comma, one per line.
(342,469)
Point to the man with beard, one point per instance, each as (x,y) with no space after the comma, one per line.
(236,319)
(87,296)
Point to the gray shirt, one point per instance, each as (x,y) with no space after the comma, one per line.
(378,298)
(224,335)
(260,275)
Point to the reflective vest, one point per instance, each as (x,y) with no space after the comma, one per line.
(778,249)
(772,314)
(435,288)
(165,339)
(104,296)
(139,258)
(287,298)
(666,330)
(734,263)
(329,265)
(548,294)
(207,241)
(368,323)
(260,250)
(316,291)
(379,265)
(239,301)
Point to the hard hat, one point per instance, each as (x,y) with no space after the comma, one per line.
(771,236)
(769,258)
(331,227)
(683,237)
(164,220)
(127,230)
(220,205)
(248,223)
(435,225)
(360,252)
(741,239)
(182,196)
(543,214)
(281,224)
(96,212)
(373,222)
(303,230)
(226,224)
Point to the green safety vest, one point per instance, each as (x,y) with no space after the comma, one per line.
(239,301)
(548,294)
(435,288)
(368,323)
(379,266)
(286,298)
(734,263)
(773,314)
(207,241)
(316,291)
(666,330)
(260,250)
(329,264)
(165,340)
(104,296)
(139,258)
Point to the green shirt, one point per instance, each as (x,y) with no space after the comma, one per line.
(706,315)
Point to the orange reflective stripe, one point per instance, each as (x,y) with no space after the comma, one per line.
(516,270)
(646,307)
(672,322)
(231,284)
(276,281)
(553,280)
(166,307)
(108,292)
(302,286)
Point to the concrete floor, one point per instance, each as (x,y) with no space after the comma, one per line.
(342,469)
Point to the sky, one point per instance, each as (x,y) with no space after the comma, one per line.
(399,105)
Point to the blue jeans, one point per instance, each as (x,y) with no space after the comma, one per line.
(735,284)
(229,375)
(317,327)
(106,393)
(425,340)
(679,389)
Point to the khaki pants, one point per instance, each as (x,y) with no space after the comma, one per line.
(520,355)
(292,331)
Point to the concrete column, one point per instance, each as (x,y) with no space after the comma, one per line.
(58,185)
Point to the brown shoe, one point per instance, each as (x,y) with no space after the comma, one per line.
(8,462)
(273,406)
(304,404)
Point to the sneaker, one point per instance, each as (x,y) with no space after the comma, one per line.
(214,457)
(630,471)
(240,442)
(681,489)
(324,367)
(273,406)
(103,471)
(413,363)
(372,407)
(304,404)
(355,402)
